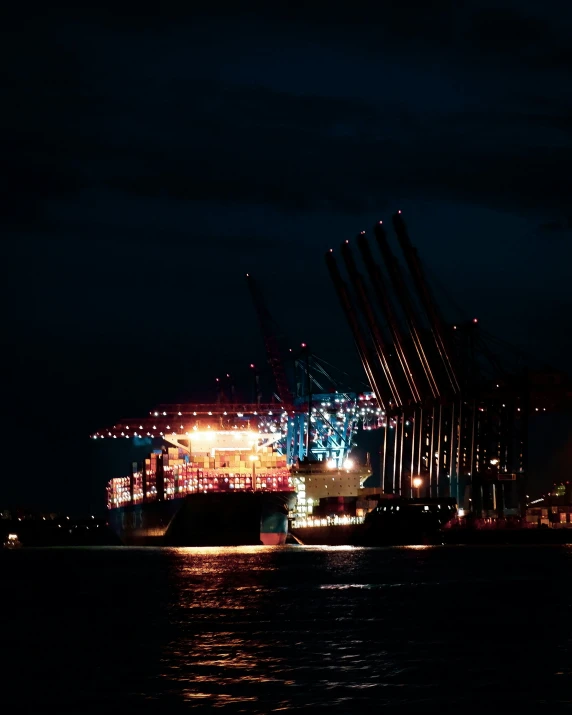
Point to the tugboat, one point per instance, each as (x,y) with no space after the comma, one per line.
(403,522)
(12,542)
(395,521)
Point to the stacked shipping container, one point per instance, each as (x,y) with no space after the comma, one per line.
(168,476)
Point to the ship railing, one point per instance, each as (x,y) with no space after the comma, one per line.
(306,522)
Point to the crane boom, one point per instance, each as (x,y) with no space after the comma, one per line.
(365,354)
(429,305)
(273,354)
(409,311)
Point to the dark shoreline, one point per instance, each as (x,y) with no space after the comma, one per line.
(61,532)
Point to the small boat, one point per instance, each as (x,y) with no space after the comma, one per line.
(12,542)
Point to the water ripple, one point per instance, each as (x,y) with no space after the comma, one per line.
(259,630)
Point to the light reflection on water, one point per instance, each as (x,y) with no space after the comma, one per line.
(268,629)
(307,635)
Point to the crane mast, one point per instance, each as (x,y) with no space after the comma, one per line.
(364,352)
(406,361)
(273,354)
(407,305)
(425,296)
(365,307)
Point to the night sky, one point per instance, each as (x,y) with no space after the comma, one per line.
(153,156)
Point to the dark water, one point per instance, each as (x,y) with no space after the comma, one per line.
(259,630)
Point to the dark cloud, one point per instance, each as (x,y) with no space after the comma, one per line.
(509,31)
(164,112)
(561,228)
(228,136)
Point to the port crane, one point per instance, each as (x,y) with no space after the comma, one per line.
(321,424)
(459,417)
(449,410)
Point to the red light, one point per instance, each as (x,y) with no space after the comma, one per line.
(475,320)
(398,211)
(251,364)
(303,345)
(347,240)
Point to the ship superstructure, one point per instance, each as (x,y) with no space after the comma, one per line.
(314,480)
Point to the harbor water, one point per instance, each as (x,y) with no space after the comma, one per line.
(286,629)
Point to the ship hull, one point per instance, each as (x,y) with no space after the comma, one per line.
(399,522)
(360,535)
(212,519)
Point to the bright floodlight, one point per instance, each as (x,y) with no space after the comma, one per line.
(348,464)
(331,464)
(417,482)
(253,458)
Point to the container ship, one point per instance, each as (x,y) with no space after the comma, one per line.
(229,488)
